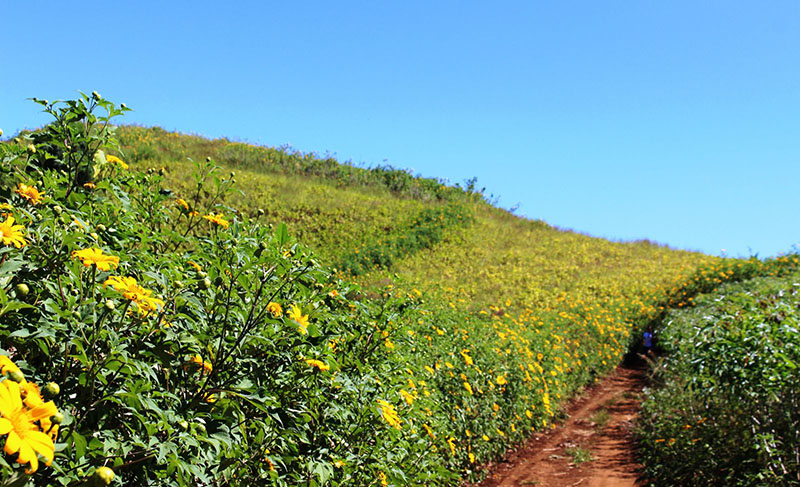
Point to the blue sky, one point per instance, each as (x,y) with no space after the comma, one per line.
(673,121)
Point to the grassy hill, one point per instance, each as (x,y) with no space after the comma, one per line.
(338,210)
(257,315)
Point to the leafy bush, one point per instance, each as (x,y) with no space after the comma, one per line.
(189,347)
(727,409)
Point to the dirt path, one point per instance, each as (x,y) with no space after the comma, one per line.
(599,426)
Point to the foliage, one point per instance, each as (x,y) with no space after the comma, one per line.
(196,343)
(151,314)
(726,411)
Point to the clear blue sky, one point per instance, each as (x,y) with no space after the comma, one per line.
(675,121)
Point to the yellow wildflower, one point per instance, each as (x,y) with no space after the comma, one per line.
(389,414)
(218,219)
(95,256)
(468,387)
(297,315)
(275,309)
(407,397)
(317,364)
(11,234)
(205,365)
(25,439)
(132,291)
(182,203)
(116,160)
(30,193)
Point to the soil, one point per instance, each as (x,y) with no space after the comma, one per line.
(548,459)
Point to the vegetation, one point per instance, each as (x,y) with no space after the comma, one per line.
(727,411)
(411,333)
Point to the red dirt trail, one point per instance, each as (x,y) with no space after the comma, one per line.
(544,461)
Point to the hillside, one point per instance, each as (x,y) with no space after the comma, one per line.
(256,315)
(337,210)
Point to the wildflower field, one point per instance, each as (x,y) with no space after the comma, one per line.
(178,311)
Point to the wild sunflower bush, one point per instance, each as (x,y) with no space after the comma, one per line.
(184,345)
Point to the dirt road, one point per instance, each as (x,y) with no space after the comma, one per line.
(593,448)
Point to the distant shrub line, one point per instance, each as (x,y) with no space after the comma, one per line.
(157,146)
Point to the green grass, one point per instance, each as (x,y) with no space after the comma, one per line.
(600,418)
(579,455)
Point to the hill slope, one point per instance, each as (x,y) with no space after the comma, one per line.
(187,338)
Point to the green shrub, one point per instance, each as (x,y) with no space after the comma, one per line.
(727,412)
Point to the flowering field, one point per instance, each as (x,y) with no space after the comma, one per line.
(286,318)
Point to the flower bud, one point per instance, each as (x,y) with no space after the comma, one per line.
(123,106)
(1,132)
(57,209)
(21,289)
(103,476)
(109,305)
(101,228)
(16,376)
(31,148)
(57,418)
(205,283)
(51,389)
(95,95)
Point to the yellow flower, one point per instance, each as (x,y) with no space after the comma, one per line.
(318,364)
(205,365)
(501,380)
(139,295)
(25,438)
(407,397)
(389,414)
(218,219)
(297,315)
(334,293)
(30,193)
(196,267)
(468,387)
(182,203)
(275,309)
(95,256)
(116,160)
(89,185)
(467,358)
(382,476)
(11,234)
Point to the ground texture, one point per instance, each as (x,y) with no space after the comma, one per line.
(599,426)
